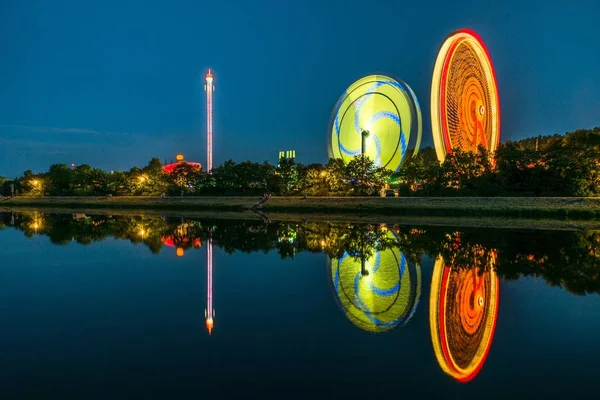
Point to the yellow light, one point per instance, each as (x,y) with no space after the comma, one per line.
(385,298)
(385,107)
(35,182)
(180,252)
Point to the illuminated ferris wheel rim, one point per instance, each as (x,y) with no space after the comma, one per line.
(412,134)
(438,328)
(444,58)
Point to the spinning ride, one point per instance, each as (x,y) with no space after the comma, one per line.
(465,106)
(379,117)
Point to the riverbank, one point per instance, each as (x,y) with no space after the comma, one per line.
(561,208)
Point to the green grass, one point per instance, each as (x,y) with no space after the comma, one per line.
(562,208)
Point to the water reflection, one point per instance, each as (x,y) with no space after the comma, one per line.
(463,309)
(374,270)
(377,290)
(182,238)
(209,312)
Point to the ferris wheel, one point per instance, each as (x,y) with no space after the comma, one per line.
(379,117)
(465,105)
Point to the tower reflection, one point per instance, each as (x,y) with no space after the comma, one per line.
(378,289)
(463,309)
(209,312)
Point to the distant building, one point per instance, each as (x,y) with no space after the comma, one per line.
(287,154)
(180,160)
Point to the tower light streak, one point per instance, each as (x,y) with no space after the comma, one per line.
(209,313)
(209,88)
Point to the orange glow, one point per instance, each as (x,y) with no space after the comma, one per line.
(209,325)
(180,252)
(463,313)
(465,105)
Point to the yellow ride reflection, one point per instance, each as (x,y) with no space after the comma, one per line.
(379,292)
(463,309)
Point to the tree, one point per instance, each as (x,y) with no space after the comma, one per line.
(183,178)
(287,171)
(60,180)
(153,181)
(364,177)
(335,176)
(118,183)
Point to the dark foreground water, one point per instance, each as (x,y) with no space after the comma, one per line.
(122,307)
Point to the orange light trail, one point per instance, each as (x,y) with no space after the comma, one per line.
(463,313)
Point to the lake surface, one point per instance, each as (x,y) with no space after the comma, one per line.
(97,306)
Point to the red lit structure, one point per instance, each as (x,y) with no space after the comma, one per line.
(167,169)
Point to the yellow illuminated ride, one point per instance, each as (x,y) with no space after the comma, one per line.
(379,117)
(463,309)
(465,105)
(376,293)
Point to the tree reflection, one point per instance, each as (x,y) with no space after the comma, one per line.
(569,259)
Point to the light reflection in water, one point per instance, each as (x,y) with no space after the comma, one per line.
(463,309)
(376,292)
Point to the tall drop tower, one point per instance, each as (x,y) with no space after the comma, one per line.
(209,88)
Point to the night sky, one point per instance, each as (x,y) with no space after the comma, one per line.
(115,83)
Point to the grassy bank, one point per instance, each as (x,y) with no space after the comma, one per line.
(507,207)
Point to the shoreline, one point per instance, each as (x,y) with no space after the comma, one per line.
(534,213)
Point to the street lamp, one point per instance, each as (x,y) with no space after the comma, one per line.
(365,134)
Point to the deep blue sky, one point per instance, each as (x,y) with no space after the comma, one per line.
(114,83)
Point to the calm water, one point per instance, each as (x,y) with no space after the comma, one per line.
(122,306)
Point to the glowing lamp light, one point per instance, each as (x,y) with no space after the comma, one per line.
(180,252)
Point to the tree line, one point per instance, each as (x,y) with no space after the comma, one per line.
(558,165)
(358,177)
(568,259)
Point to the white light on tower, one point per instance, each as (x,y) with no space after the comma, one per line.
(209,88)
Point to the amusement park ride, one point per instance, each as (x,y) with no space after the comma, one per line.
(379,116)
